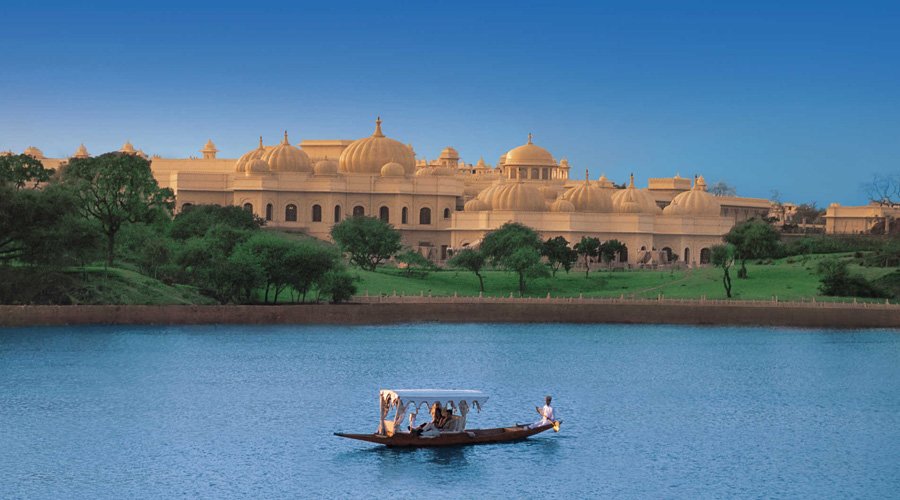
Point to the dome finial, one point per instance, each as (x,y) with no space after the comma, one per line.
(285,138)
(529,137)
(586,177)
(631,180)
(378,132)
(260,143)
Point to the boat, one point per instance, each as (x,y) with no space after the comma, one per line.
(402,402)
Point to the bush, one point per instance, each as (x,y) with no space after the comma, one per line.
(338,286)
(836,280)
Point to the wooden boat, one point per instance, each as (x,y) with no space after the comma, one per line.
(454,433)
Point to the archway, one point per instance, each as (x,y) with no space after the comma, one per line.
(687,255)
(705,256)
(359,211)
(317,213)
(290,213)
(384,213)
(425,216)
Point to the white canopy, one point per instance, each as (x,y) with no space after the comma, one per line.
(416,397)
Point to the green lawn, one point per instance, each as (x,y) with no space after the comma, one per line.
(788,279)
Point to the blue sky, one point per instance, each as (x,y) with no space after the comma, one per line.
(796,97)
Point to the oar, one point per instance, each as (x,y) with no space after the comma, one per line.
(555,422)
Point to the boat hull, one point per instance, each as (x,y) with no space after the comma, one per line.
(468,437)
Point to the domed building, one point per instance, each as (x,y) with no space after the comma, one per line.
(369,154)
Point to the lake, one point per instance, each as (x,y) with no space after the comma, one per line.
(649,411)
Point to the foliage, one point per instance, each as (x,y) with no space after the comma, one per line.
(828,244)
(515,248)
(836,280)
(338,286)
(470,259)
(526,262)
(890,283)
(610,249)
(414,263)
(558,254)
(22,171)
(368,241)
(753,239)
(115,189)
(588,248)
(196,220)
(885,255)
(807,213)
(272,253)
(723,256)
(722,188)
(307,264)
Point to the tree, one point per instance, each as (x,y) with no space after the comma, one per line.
(114,189)
(752,239)
(22,171)
(516,248)
(338,285)
(884,189)
(273,254)
(609,250)
(307,264)
(723,256)
(836,280)
(558,254)
(470,259)
(722,188)
(808,213)
(368,241)
(588,248)
(415,263)
(197,220)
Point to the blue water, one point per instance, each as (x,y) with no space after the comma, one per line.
(649,411)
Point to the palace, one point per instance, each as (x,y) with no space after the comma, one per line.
(443,205)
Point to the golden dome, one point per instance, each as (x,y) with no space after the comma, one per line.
(694,202)
(476,205)
(481,163)
(605,183)
(246,158)
(529,155)
(81,152)
(449,154)
(700,183)
(393,169)
(634,201)
(517,196)
(209,147)
(586,197)
(502,161)
(564,163)
(326,167)
(256,166)
(287,158)
(423,171)
(128,148)
(471,190)
(562,205)
(550,192)
(368,155)
(34,153)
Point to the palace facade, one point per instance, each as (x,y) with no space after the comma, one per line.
(446,204)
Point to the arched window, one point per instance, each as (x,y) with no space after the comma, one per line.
(535,174)
(317,213)
(186,207)
(404,216)
(359,211)
(425,215)
(384,214)
(268,211)
(687,255)
(668,252)
(705,256)
(623,254)
(446,213)
(248,207)
(290,213)
(337,213)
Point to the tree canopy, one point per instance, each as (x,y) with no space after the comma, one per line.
(558,254)
(516,248)
(470,259)
(723,256)
(368,241)
(22,171)
(753,239)
(588,248)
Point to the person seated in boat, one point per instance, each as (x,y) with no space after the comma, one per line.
(437,420)
(546,414)
(446,418)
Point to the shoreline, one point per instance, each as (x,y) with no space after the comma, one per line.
(417,309)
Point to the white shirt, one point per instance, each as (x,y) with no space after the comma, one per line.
(547,412)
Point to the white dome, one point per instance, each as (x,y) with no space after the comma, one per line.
(529,155)
(256,166)
(586,197)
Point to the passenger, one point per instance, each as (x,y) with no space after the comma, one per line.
(436,421)
(546,414)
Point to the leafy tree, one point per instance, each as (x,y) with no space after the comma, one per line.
(836,280)
(415,263)
(273,254)
(752,239)
(723,256)
(516,248)
(368,241)
(197,220)
(722,188)
(588,248)
(307,264)
(470,259)
(338,285)
(22,171)
(558,254)
(610,249)
(114,189)
(236,278)
(808,213)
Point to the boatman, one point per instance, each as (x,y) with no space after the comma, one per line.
(546,414)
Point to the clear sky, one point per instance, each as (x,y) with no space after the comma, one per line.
(797,97)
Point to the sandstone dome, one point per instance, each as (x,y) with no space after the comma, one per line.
(368,155)
(529,155)
(562,205)
(325,167)
(287,158)
(694,202)
(393,169)
(586,197)
(550,192)
(634,201)
(81,152)
(246,158)
(476,205)
(256,166)
(128,148)
(605,183)
(449,153)
(471,190)
(34,152)
(516,196)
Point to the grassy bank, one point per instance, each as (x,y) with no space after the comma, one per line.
(789,279)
